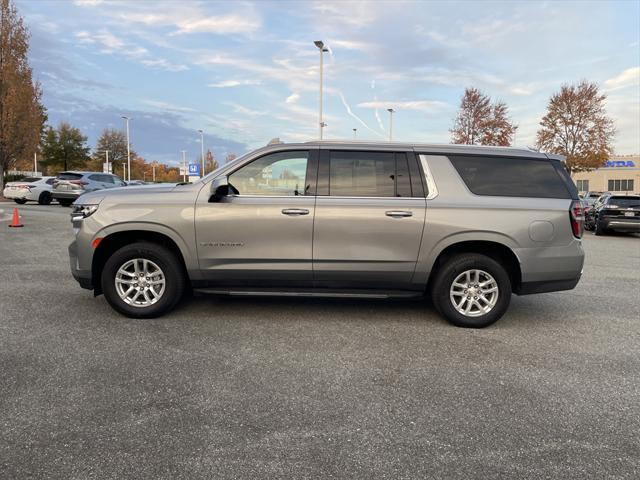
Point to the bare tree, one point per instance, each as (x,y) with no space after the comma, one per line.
(211,163)
(21,112)
(480,123)
(115,141)
(577,126)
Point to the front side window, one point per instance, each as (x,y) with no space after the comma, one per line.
(276,174)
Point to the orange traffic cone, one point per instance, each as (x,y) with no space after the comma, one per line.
(16,219)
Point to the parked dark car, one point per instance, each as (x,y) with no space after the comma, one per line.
(614,212)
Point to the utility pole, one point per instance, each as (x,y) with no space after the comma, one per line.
(184,163)
(322,48)
(106,153)
(153,170)
(126,119)
(35,163)
(202,150)
(390,110)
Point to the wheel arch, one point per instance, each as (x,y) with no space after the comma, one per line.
(496,250)
(116,240)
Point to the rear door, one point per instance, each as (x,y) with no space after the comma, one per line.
(370,213)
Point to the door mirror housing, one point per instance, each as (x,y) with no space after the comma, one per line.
(219,189)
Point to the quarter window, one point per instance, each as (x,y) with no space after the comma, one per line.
(510,176)
(276,174)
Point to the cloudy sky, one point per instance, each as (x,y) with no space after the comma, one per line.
(246,72)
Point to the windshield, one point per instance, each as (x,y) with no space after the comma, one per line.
(624,202)
(215,172)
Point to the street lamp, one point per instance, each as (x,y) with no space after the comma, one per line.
(202,150)
(355,132)
(106,154)
(184,163)
(322,48)
(390,110)
(126,119)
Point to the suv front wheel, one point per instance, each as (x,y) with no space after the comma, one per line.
(471,290)
(143,280)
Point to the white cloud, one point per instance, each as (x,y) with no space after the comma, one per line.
(221,24)
(244,110)
(159,104)
(88,3)
(293,98)
(233,83)
(628,78)
(424,105)
(113,45)
(350,45)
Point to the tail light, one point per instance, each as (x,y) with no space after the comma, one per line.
(28,187)
(576,215)
(79,182)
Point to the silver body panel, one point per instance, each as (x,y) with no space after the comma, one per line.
(341,242)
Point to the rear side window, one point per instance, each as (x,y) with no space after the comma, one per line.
(362,174)
(69,176)
(510,176)
(30,179)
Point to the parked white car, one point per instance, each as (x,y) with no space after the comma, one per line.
(36,189)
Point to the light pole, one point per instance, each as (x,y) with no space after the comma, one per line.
(126,119)
(322,48)
(390,110)
(153,170)
(35,163)
(106,154)
(184,163)
(202,150)
(355,132)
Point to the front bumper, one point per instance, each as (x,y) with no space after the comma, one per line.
(83,277)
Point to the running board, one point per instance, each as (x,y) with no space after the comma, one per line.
(324,294)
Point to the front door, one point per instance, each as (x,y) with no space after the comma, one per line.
(262,235)
(370,214)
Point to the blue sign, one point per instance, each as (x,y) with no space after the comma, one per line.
(194,169)
(619,163)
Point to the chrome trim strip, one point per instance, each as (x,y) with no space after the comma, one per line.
(431,184)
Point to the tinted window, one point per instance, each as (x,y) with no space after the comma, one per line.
(403,180)
(362,174)
(624,202)
(107,179)
(69,176)
(278,174)
(30,179)
(510,176)
(50,181)
(96,178)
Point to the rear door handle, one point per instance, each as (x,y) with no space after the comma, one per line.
(398,213)
(295,211)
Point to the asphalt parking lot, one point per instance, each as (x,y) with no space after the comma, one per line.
(304,388)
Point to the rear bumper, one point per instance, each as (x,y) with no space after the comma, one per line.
(83,277)
(17,194)
(622,224)
(527,288)
(70,195)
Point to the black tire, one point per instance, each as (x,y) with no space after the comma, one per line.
(599,229)
(458,264)
(20,201)
(44,198)
(64,202)
(165,259)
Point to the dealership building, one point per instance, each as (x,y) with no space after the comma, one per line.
(619,174)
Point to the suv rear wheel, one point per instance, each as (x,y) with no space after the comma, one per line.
(471,290)
(143,280)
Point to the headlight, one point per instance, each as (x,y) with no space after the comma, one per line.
(82,211)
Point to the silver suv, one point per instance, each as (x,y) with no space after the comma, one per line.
(467,225)
(68,186)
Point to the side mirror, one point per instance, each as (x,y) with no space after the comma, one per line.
(219,189)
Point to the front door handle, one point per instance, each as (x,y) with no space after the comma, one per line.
(398,213)
(295,211)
